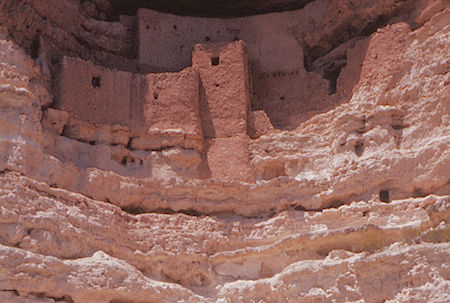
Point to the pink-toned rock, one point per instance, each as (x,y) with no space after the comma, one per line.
(182,191)
(228,159)
(258,123)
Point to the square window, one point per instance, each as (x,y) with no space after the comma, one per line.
(95,82)
(384,195)
(215,61)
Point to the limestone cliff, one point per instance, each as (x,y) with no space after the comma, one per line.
(302,156)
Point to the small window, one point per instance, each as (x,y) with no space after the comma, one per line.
(384,195)
(215,61)
(95,82)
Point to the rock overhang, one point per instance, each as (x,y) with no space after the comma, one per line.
(206,8)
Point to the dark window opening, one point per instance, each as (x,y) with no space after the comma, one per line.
(95,81)
(384,195)
(155,95)
(174,27)
(207,38)
(215,60)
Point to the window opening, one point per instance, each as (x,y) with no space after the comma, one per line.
(215,60)
(95,81)
(384,195)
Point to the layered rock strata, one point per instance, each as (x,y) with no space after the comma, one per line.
(350,205)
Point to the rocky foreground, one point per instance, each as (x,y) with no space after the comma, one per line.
(351,206)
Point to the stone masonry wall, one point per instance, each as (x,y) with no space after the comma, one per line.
(160,110)
(95,94)
(171,38)
(272,49)
(210,100)
(225,101)
(170,112)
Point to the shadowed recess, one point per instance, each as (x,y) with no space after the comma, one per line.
(205,8)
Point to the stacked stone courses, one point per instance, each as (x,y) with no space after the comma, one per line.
(205,105)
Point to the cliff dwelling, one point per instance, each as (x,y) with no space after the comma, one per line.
(202,109)
(196,94)
(205,85)
(224,151)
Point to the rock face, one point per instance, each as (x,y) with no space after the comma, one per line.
(220,182)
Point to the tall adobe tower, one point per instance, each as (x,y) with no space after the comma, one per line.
(224,105)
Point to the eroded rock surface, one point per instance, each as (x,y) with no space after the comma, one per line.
(345,199)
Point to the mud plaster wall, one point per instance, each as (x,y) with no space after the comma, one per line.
(164,110)
(95,94)
(171,39)
(172,102)
(275,54)
(225,100)
(151,103)
(224,90)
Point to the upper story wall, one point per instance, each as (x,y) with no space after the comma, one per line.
(96,94)
(171,102)
(224,92)
(166,41)
(164,105)
(279,83)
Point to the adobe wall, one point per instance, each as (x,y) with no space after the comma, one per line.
(171,38)
(96,94)
(209,100)
(224,105)
(172,102)
(276,57)
(170,111)
(224,90)
(159,109)
(291,96)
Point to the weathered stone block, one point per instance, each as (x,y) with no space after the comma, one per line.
(228,159)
